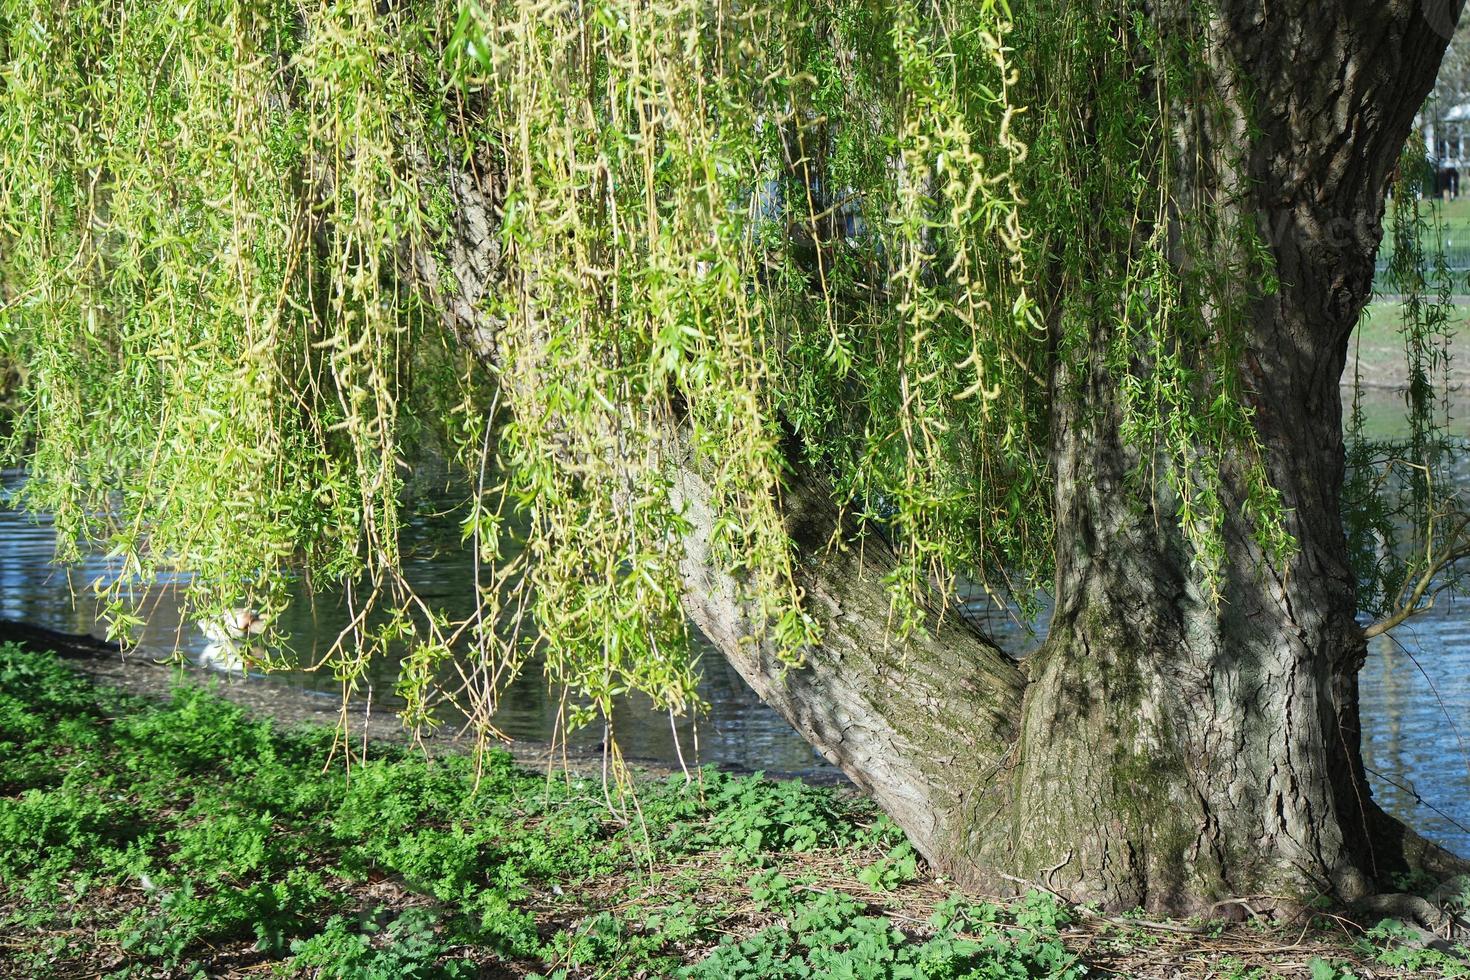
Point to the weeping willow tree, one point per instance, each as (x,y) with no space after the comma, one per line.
(788,319)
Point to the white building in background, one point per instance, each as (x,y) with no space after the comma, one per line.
(1447,142)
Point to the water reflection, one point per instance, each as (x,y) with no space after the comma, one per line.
(1416,720)
(739,732)
(1415,685)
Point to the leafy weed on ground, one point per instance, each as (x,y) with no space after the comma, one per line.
(185,839)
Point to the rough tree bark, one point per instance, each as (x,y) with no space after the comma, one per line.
(1174,750)
(1159,750)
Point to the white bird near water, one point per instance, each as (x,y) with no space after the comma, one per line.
(227,634)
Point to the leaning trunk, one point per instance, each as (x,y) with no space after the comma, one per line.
(1163,748)
(926,726)
(1170,748)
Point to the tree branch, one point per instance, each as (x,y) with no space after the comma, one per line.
(1410,605)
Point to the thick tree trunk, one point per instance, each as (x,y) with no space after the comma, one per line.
(1177,749)
(1160,750)
(1168,751)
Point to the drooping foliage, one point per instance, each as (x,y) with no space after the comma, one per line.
(1405,517)
(202,214)
(869,231)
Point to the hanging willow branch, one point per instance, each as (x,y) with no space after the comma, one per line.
(279,249)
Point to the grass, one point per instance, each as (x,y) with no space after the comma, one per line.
(1454,225)
(184,839)
(1454,217)
(1380,324)
(1376,355)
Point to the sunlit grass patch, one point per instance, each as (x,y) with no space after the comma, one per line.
(185,838)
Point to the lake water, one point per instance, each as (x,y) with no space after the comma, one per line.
(1415,686)
(739,732)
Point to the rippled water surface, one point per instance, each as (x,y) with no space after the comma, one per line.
(739,732)
(1415,686)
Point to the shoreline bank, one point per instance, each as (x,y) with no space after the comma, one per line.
(265,697)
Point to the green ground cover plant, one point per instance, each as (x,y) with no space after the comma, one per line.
(185,839)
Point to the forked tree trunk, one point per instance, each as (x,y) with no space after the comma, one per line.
(1164,751)
(1160,750)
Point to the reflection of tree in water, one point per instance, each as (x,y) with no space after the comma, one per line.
(1384,688)
(739,731)
(1414,725)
